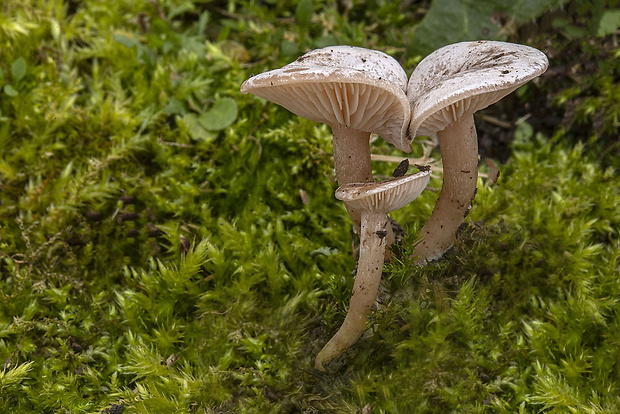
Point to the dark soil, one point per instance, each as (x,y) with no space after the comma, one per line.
(572,62)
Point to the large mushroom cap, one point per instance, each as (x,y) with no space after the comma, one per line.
(466,77)
(384,196)
(342,85)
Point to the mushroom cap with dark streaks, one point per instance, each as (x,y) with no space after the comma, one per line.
(466,77)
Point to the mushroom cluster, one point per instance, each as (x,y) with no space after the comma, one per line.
(357,91)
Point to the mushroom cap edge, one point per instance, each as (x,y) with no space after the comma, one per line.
(384,196)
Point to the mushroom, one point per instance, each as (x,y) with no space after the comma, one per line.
(445,90)
(355,91)
(374,200)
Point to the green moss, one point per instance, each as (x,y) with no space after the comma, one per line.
(165,250)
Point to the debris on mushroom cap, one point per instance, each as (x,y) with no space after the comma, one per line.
(466,77)
(401,169)
(388,195)
(374,63)
(356,87)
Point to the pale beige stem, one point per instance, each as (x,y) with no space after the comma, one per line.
(352,164)
(459,151)
(369,268)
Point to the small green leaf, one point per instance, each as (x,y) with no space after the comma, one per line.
(608,23)
(221,115)
(325,251)
(304,12)
(18,68)
(289,48)
(570,29)
(450,21)
(193,127)
(524,10)
(523,134)
(175,106)
(125,40)
(324,41)
(10,91)
(55,29)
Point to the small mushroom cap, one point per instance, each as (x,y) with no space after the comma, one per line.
(342,85)
(384,196)
(466,77)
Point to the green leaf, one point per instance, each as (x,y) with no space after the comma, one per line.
(175,106)
(570,29)
(193,127)
(18,68)
(523,134)
(324,41)
(10,91)
(608,22)
(55,29)
(524,10)
(221,115)
(450,21)
(325,251)
(289,48)
(125,40)
(304,12)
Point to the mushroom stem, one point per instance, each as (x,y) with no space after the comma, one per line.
(352,165)
(365,288)
(352,161)
(459,151)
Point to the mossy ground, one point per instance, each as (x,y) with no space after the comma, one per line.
(170,245)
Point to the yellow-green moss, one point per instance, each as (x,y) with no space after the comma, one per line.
(152,260)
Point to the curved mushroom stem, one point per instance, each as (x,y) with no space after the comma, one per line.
(365,288)
(459,152)
(352,165)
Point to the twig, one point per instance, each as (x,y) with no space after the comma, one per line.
(398,160)
(435,165)
(496,121)
(160,10)
(523,119)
